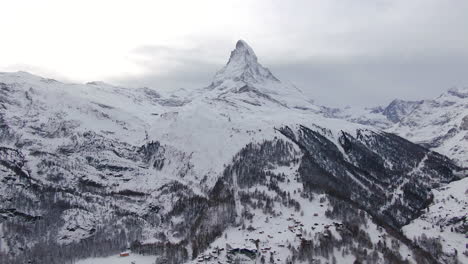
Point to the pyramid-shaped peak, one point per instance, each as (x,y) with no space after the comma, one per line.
(243,66)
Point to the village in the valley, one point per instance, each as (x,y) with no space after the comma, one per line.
(270,246)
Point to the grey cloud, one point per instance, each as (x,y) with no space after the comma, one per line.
(365,53)
(173,68)
(364,81)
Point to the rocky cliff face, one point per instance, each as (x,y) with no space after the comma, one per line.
(88,170)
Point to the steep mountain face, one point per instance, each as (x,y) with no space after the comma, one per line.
(243,66)
(399,109)
(369,171)
(243,169)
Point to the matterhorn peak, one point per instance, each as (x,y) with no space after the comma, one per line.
(243,66)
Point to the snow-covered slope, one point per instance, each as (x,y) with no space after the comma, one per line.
(444,221)
(88,170)
(440,124)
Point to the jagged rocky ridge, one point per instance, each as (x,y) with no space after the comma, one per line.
(87,170)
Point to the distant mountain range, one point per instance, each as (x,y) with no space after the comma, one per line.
(440,124)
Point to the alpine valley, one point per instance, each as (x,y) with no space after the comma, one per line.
(245,170)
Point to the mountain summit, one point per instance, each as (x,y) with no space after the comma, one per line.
(243,80)
(243,66)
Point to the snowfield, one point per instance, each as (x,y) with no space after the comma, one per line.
(132,259)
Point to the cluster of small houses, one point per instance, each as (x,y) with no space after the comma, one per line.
(210,256)
(297,228)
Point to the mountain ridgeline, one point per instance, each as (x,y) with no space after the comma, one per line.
(243,171)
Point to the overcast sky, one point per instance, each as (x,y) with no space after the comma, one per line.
(339,52)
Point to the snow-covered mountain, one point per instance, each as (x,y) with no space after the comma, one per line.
(245,169)
(440,124)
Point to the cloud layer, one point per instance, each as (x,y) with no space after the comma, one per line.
(338,52)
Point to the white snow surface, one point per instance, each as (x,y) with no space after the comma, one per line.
(117,259)
(450,201)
